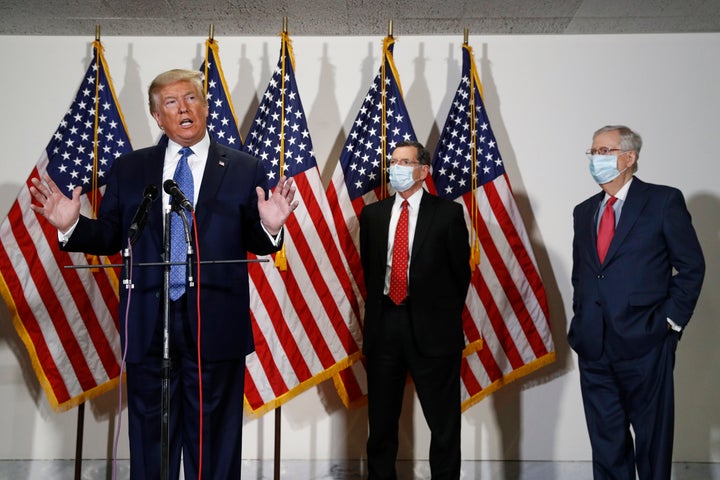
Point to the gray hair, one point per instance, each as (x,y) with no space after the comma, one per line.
(629,140)
(174,76)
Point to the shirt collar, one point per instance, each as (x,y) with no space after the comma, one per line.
(621,194)
(200,149)
(413,200)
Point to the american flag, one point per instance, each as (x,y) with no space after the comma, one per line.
(361,178)
(221,121)
(67,318)
(305,315)
(506,304)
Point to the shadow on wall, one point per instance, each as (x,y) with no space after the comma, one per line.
(506,402)
(697,383)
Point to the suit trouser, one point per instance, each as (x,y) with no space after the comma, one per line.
(223,384)
(437,383)
(618,394)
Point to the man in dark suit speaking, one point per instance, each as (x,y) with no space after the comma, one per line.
(637,273)
(416,262)
(226,189)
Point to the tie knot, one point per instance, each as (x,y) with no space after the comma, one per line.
(611,201)
(404,204)
(186,152)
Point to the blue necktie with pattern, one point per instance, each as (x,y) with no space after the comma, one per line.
(178,246)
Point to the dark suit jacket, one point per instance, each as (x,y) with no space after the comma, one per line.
(228,225)
(439,272)
(622,306)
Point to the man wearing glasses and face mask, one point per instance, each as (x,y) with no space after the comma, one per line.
(415,255)
(637,273)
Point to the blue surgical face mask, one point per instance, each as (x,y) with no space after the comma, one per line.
(603,168)
(401,177)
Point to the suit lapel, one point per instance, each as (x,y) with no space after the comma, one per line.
(384,218)
(215,169)
(591,220)
(634,204)
(156,160)
(425,218)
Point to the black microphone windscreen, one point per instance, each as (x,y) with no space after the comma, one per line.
(151,191)
(168,185)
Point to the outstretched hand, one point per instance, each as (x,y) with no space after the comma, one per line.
(61,211)
(275,210)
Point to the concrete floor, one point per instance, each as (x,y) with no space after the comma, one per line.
(345,470)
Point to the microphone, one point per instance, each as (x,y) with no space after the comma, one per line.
(171,187)
(138,221)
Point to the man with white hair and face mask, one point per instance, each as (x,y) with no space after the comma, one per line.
(637,273)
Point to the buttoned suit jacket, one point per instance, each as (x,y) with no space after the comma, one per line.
(439,273)
(228,226)
(653,271)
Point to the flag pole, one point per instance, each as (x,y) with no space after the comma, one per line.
(80,425)
(383,120)
(474,240)
(211,35)
(281,255)
(79,440)
(278,410)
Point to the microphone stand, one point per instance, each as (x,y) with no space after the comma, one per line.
(165,362)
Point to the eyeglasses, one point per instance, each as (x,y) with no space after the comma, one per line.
(404,162)
(602,151)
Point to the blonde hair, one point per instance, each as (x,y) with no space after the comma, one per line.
(193,77)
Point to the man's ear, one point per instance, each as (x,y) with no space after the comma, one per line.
(633,156)
(156,116)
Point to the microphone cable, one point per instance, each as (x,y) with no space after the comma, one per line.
(199,355)
(122,361)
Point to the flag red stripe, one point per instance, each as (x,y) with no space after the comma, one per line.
(32,328)
(521,253)
(504,277)
(267,362)
(51,302)
(470,381)
(498,323)
(84,308)
(516,299)
(350,383)
(334,315)
(345,239)
(490,365)
(275,316)
(252,395)
(330,248)
(61,324)
(304,313)
(472,333)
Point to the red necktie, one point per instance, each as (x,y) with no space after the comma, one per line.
(398,272)
(606,229)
